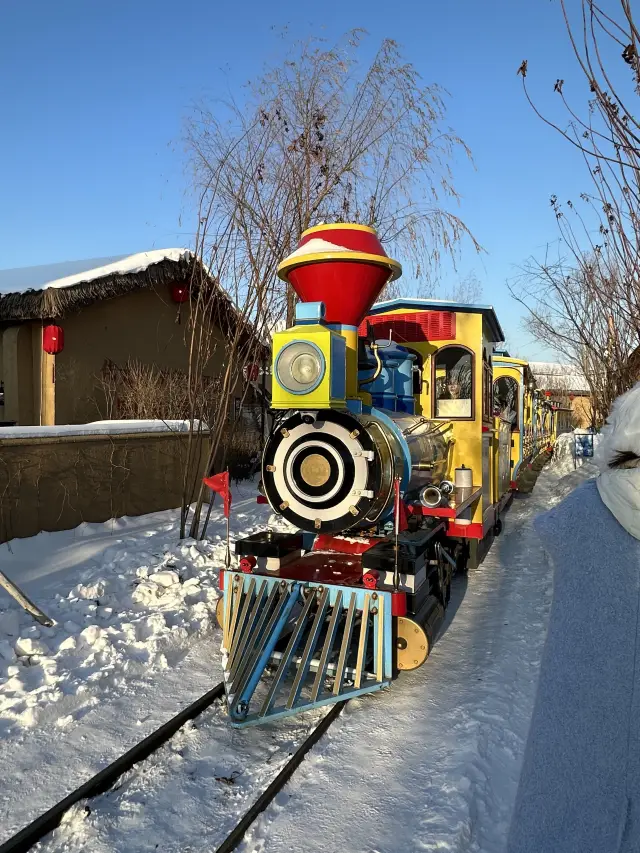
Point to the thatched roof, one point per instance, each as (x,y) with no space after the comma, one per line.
(54,299)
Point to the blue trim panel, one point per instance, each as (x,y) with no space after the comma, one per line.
(309,312)
(342,327)
(338,376)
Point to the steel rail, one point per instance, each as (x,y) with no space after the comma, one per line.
(266,798)
(24,840)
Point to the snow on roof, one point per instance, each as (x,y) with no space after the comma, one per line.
(33,278)
(77,272)
(121,427)
(44,294)
(558,377)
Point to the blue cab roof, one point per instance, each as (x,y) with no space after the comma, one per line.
(443,305)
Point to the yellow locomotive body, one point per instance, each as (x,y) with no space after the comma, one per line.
(392,456)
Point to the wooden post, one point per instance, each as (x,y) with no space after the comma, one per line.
(25,602)
(47,388)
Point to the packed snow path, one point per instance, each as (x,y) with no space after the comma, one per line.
(430,764)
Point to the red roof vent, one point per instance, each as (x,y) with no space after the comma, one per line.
(416,327)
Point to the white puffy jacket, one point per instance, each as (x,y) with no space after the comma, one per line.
(618,458)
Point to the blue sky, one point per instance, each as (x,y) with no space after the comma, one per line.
(93,97)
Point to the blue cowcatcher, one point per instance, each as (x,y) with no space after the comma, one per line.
(579,789)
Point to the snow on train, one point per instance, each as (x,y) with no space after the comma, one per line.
(398,433)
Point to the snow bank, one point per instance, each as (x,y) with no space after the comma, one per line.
(564,460)
(125,601)
(136,612)
(95,428)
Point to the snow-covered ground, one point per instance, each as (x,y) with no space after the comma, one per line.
(135,640)
(430,764)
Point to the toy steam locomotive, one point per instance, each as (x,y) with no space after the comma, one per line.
(398,432)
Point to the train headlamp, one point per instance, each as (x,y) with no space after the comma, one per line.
(300,367)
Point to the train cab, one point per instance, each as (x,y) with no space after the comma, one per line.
(513,395)
(451,345)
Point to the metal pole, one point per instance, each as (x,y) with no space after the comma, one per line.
(263,396)
(227,556)
(396,571)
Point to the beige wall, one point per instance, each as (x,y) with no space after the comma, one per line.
(26,376)
(140,326)
(57,483)
(581,408)
(21,384)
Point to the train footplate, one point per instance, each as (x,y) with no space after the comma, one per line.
(291,646)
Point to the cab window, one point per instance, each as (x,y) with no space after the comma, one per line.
(505,400)
(453,383)
(487,386)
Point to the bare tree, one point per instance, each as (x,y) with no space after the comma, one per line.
(227,330)
(468,290)
(597,283)
(318,138)
(341,142)
(574,311)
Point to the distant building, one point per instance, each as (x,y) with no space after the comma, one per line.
(62,327)
(568,386)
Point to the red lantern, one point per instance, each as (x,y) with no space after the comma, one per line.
(179,293)
(547,393)
(52,339)
(251,372)
(572,397)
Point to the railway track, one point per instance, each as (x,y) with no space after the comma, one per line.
(103,781)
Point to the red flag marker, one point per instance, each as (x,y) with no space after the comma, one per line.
(219,483)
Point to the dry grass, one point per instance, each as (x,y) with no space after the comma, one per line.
(140,391)
(145,391)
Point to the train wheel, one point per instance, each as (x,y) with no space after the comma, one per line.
(412,644)
(220,611)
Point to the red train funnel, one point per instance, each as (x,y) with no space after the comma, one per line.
(342,265)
